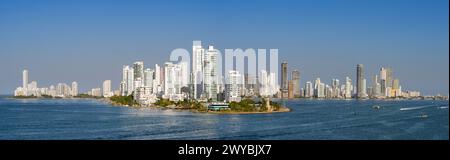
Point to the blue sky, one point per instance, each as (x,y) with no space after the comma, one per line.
(89,41)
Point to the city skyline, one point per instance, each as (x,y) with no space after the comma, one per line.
(210,82)
(410,37)
(384,80)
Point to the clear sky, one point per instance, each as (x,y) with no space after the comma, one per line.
(89,40)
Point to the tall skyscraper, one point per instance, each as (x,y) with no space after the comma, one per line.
(376,87)
(197,68)
(309,89)
(138,68)
(385,80)
(396,88)
(335,88)
(319,89)
(107,88)
(364,88)
(348,88)
(157,81)
(295,77)
(74,88)
(175,78)
(389,77)
(169,79)
(127,84)
(284,79)
(183,74)
(291,89)
(25,79)
(210,73)
(148,78)
(359,81)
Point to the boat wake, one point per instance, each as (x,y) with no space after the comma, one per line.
(414,108)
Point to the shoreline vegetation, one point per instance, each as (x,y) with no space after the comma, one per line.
(246,106)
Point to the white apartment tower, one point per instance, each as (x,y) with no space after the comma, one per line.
(148,78)
(234,86)
(210,73)
(74,89)
(197,68)
(348,88)
(157,81)
(107,88)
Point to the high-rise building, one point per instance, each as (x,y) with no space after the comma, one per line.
(264,89)
(348,88)
(295,76)
(62,90)
(175,78)
(291,89)
(395,84)
(396,88)
(25,79)
(269,86)
(197,68)
(127,84)
(364,88)
(335,88)
(389,77)
(170,79)
(148,78)
(107,88)
(138,68)
(157,88)
(183,74)
(309,89)
(74,88)
(210,73)
(137,84)
(359,81)
(316,87)
(376,86)
(385,80)
(321,90)
(284,79)
(328,91)
(233,86)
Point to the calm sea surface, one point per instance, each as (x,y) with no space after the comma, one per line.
(310,119)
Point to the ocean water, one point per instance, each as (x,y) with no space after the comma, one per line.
(309,120)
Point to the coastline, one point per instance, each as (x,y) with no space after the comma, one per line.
(282,109)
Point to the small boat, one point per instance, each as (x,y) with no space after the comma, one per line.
(376,107)
(424,116)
